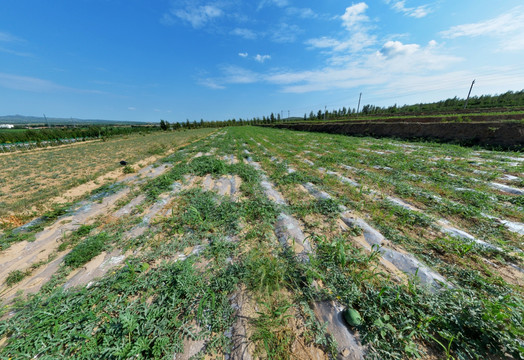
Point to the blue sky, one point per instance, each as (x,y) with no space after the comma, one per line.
(146,60)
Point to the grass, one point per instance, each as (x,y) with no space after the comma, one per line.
(86,250)
(15,276)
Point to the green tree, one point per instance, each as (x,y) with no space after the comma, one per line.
(164,125)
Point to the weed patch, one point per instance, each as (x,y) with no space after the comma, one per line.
(86,250)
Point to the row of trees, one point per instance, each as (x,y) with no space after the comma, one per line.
(80,133)
(507,100)
(165,125)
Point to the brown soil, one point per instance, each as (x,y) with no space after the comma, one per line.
(115,175)
(501,134)
(12,221)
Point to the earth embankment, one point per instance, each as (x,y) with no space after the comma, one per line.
(507,135)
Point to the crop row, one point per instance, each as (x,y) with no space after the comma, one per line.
(252,242)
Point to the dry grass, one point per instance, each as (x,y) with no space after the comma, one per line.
(30,180)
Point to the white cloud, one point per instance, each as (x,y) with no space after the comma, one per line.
(416,12)
(501,25)
(396,48)
(507,28)
(356,42)
(131,108)
(197,16)
(354,16)
(357,38)
(394,61)
(262,58)
(406,58)
(244,54)
(245,33)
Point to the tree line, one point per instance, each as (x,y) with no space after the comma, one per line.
(62,133)
(506,101)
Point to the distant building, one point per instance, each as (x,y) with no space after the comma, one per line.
(6,126)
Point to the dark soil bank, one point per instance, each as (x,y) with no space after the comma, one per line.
(469,118)
(491,134)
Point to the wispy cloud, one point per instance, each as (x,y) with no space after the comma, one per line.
(507,28)
(243,54)
(211,83)
(393,61)
(279,3)
(304,13)
(27,83)
(285,33)
(245,33)
(32,84)
(262,58)
(131,108)
(416,12)
(7,37)
(356,42)
(196,15)
(503,24)
(14,52)
(238,75)
(231,74)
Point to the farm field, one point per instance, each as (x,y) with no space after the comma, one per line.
(31,182)
(262,243)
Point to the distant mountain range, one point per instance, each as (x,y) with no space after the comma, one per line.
(34,120)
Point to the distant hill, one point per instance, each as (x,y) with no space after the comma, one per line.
(34,120)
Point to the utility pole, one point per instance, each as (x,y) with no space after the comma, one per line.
(358,107)
(466,104)
(288,114)
(325,111)
(47,121)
